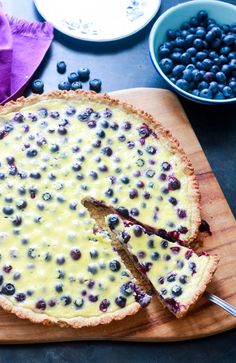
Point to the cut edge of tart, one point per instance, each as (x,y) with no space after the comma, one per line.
(207,270)
(193,193)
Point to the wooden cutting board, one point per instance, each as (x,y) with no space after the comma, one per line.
(155,323)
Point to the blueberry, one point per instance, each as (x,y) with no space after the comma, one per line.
(31,153)
(60,260)
(207,64)
(213,87)
(200,56)
(84,74)
(187,75)
(106,151)
(54,148)
(206,93)
(64,86)
(232,55)
(113,220)
(163,52)
(105,303)
(59,287)
(155,256)
(79,302)
(175,57)
(179,42)
(93,253)
(138,230)
(120,301)
(166,65)
(193,22)
(37,86)
(109,192)
(216,43)
(181,83)
(66,300)
(125,180)
(178,70)
(215,68)
(202,17)
(100,133)
(232,84)
(133,193)
(76,85)
(73,77)
(198,44)
(209,76)
(189,42)
(93,174)
(227,92)
(176,290)
(8,289)
(16,221)
(61,67)
(219,96)
(185,58)
(225,50)
(114,265)
(8,210)
(123,211)
(192,51)
(171,34)
(75,254)
(95,85)
(197,76)
(202,85)
(221,77)
(226,69)
(210,36)
(201,33)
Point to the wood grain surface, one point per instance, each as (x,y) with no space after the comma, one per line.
(155,323)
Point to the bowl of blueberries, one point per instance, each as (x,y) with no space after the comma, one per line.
(193,47)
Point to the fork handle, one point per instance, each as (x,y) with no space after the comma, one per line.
(220,302)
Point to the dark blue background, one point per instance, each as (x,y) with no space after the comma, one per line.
(126,64)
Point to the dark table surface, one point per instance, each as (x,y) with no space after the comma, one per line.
(126,64)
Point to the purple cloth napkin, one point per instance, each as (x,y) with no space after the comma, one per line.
(22,48)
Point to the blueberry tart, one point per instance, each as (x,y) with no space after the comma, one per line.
(56,150)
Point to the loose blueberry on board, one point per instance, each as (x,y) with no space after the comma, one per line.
(83,74)
(73,77)
(64,86)
(76,85)
(95,85)
(61,67)
(37,86)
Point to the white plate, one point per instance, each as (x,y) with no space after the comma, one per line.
(98,20)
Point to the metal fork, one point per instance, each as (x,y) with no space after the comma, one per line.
(220,302)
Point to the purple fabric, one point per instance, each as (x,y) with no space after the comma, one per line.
(22,48)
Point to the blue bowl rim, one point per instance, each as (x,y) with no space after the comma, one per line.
(154,58)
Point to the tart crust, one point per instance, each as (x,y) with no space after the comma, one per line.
(207,278)
(193,196)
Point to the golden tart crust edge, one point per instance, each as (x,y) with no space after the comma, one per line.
(76,323)
(172,142)
(198,293)
(194,198)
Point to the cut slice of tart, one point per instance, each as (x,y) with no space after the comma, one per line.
(177,273)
